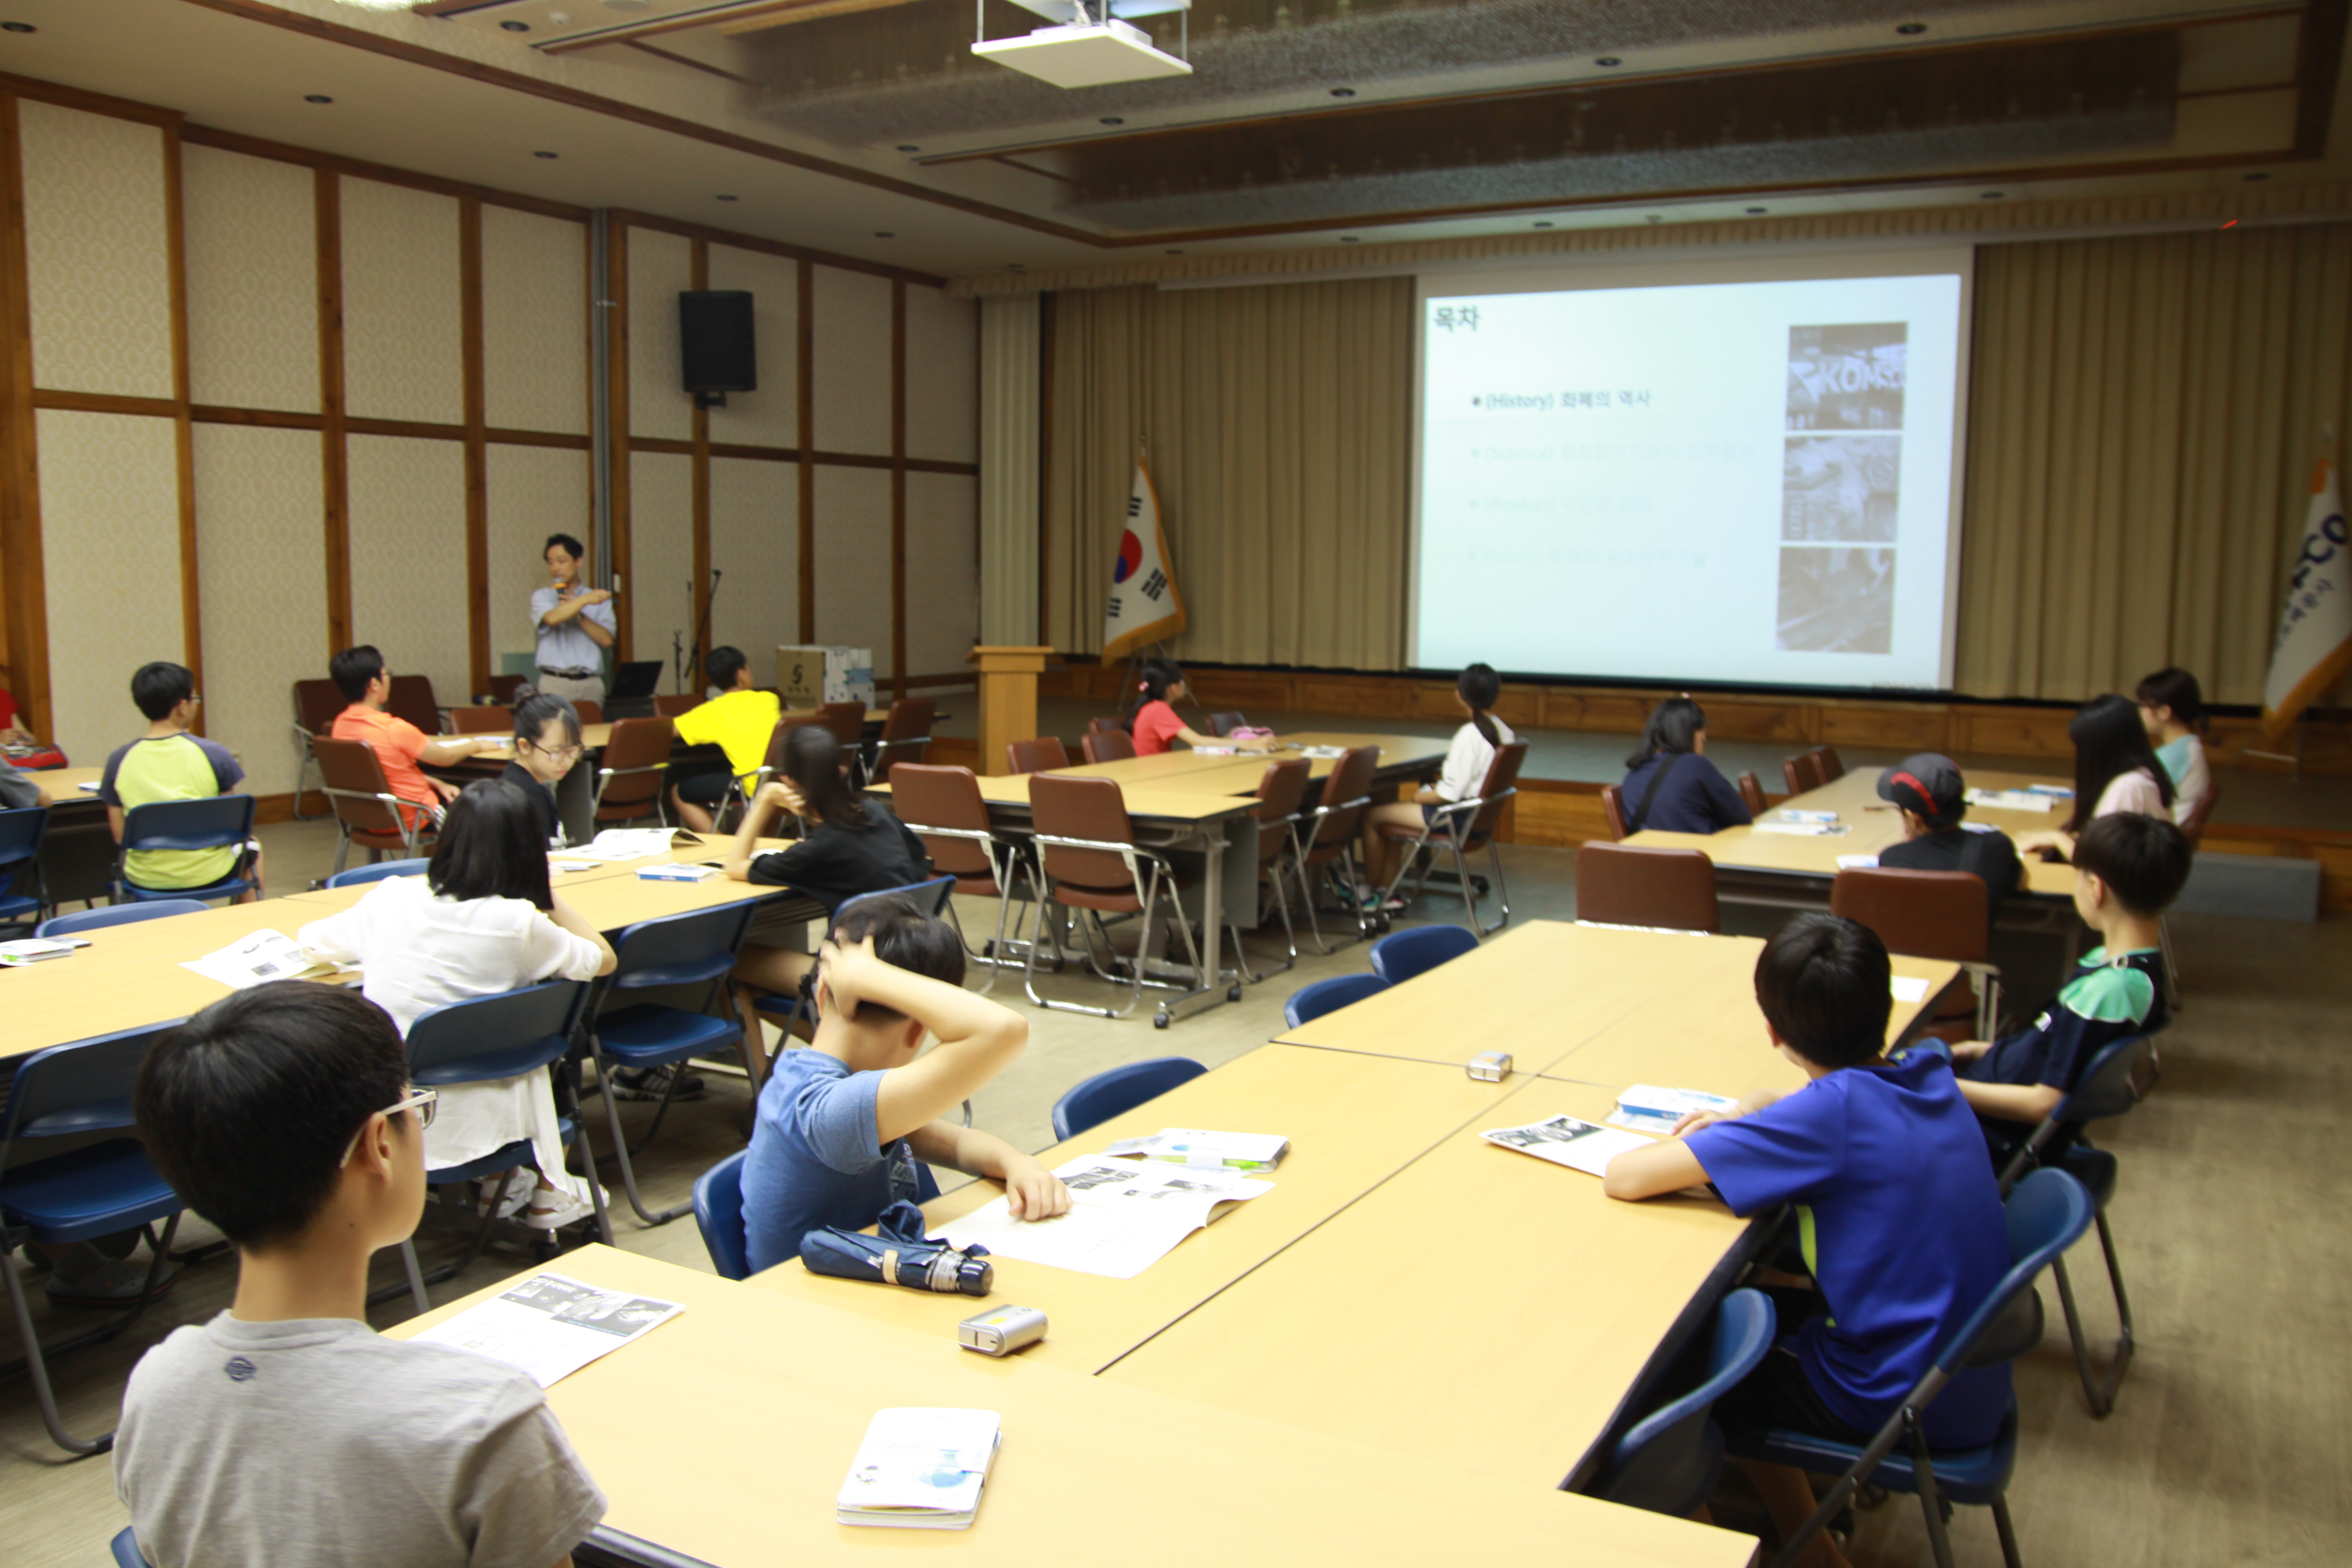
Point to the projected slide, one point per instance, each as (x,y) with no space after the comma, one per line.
(1746,482)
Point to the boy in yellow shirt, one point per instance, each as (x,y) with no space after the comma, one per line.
(740,720)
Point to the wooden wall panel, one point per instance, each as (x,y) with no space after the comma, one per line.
(534,321)
(852,561)
(942,376)
(408,558)
(851,371)
(534,491)
(403,357)
(252,314)
(661,574)
(98,252)
(770,416)
(942,570)
(659,266)
(264,589)
(754,537)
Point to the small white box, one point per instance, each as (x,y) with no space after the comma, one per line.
(808,674)
(1095,55)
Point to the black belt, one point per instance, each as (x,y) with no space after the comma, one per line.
(574,674)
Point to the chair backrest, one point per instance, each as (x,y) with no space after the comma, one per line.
(910,719)
(410,697)
(671,707)
(1347,790)
(1040,755)
(1832,769)
(591,712)
(125,1547)
(480,720)
(1751,792)
(1106,745)
(502,688)
(635,757)
(1618,884)
(680,949)
(1310,1002)
(22,832)
(1502,784)
(925,797)
(719,1214)
(1063,806)
(378,871)
(349,769)
(1117,1090)
(1100,724)
(118,915)
(2046,1213)
(1670,1458)
(846,720)
(1401,955)
(1801,774)
(1927,914)
(2192,826)
(208,822)
(316,705)
(84,1087)
(779,737)
(1223,725)
(1612,809)
(931,897)
(486,1037)
(1281,795)
(2115,1080)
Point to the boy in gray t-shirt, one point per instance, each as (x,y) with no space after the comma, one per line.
(286,1431)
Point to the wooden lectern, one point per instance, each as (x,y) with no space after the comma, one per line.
(1008,699)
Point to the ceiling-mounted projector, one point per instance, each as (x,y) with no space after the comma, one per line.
(1092,48)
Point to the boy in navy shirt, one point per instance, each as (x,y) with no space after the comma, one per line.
(841,1124)
(1898,1217)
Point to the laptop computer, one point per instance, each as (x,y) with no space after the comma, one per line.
(635,679)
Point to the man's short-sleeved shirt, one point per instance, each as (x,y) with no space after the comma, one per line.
(171,767)
(1989,856)
(1900,1221)
(739,722)
(398,743)
(2109,997)
(284,1445)
(1156,725)
(816,1158)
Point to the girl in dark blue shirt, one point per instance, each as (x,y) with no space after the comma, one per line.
(1672,786)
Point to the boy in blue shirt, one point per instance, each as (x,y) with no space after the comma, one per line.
(841,1124)
(1898,1217)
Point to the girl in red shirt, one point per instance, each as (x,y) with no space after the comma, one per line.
(1159,686)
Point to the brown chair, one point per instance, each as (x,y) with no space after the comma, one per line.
(366,811)
(943,806)
(636,765)
(847,722)
(1281,792)
(2192,826)
(773,762)
(1670,890)
(1802,773)
(410,697)
(591,712)
(1751,792)
(671,707)
(1096,726)
(1106,745)
(1089,863)
(1223,725)
(1832,769)
(317,703)
(1323,840)
(1464,827)
(480,720)
(1041,755)
(1930,914)
(504,687)
(906,735)
(1612,810)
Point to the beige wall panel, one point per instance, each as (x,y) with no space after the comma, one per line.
(261,556)
(943,571)
(852,561)
(97,253)
(660,265)
(661,542)
(253,281)
(534,491)
(942,376)
(110,546)
(408,558)
(755,533)
(770,416)
(534,321)
(402,345)
(850,377)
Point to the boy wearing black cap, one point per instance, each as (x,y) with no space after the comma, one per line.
(1928,790)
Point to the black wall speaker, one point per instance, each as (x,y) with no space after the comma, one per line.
(714,328)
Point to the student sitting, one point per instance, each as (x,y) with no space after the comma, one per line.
(19,790)
(2172,711)
(740,720)
(1928,791)
(1900,1218)
(359,675)
(841,1124)
(169,763)
(1464,774)
(1671,786)
(2128,868)
(547,744)
(24,747)
(852,845)
(480,921)
(2114,770)
(1160,684)
(285,1431)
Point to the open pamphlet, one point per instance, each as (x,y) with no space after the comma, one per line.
(1195,1146)
(629,843)
(1125,1215)
(1564,1140)
(1807,829)
(2016,799)
(264,957)
(1646,1108)
(678,871)
(1908,987)
(921,1468)
(552,1326)
(1323,753)
(35,950)
(1785,815)
(1857,862)
(89,786)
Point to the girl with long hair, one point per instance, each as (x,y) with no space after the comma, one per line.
(1467,759)
(1151,711)
(2114,770)
(1670,785)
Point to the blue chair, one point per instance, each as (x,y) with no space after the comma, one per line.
(719,1212)
(1397,957)
(2048,1212)
(1118,1090)
(116,915)
(694,949)
(479,1040)
(126,1551)
(95,1190)
(21,833)
(2117,1078)
(1668,1463)
(932,896)
(379,871)
(1310,1002)
(213,822)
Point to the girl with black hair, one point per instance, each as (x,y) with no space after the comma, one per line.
(2172,711)
(2114,770)
(1158,687)
(1669,783)
(1464,775)
(482,920)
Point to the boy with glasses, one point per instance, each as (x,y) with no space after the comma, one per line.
(285,1431)
(547,744)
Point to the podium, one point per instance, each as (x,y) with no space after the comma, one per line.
(1008,699)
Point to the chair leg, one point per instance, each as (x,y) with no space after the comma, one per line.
(34,1364)
(2098,1391)
(1502,893)
(621,1147)
(2007,1530)
(342,852)
(415,1275)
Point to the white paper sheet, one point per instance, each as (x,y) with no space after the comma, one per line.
(1857,862)
(1564,1140)
(550,1326)
(1198,1146)
(1646,1108)
(2012,799)
(1806,829)
(255,960)
(1125,1215)
(1909,988)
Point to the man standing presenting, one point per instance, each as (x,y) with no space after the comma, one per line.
(574,626)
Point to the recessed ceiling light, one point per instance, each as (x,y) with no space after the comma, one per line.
(1112,120)
(909,147)
(542,155)
(18,28)
(2259,174)
(1607,61)
(1543,223)
(1347,239)
(316,97)
(1343,92)
(883,234)
(1911,29)
(1992,195)
(724,198)
(1755,212)
(516,26)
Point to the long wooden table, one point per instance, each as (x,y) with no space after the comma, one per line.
(725,1434)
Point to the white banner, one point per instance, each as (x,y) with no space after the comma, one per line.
(1144,605)
(2314,635)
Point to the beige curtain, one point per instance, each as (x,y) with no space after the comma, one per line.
(1278,422)
(2144,418)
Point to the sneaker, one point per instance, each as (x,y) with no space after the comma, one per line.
(113,1282)
(553,1210)
(1370,900)
(647,1083)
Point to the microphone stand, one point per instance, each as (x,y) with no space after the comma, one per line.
(702,630)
